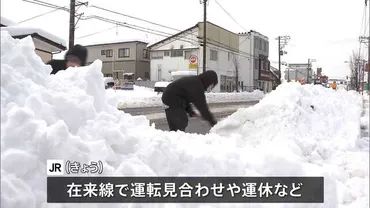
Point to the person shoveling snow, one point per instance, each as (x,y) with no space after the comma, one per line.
(179,94)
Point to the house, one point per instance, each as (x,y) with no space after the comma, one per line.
(46,44)
(254,63)
(121,58)
(184,51)
(6,22)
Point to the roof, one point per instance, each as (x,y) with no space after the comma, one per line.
(7,22)
(189,29)
(177,34)
(116,41)
(21,32)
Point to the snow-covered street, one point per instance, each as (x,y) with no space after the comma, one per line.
(297,130)
(146,97)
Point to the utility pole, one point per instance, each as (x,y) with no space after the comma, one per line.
(282,42)
(368,52)
(72,23)
(279,51)
(308,71)
(204,35)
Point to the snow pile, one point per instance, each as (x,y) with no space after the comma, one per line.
(147,97)
(68,116)
(307,130)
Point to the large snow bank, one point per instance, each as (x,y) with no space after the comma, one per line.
(68,116)
(148,98)
(307,130)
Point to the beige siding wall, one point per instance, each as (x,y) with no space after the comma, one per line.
(44,55)
(219,36)
(115,66)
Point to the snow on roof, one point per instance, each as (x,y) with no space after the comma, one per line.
(114,41)
(20,31)
(183,73)
(7,22)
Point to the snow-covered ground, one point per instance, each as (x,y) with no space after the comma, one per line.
(146,97)
(68,116)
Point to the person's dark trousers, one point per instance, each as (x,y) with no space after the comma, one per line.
(177,119)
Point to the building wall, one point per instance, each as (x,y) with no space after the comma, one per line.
(44,50)
(114,65)
(246,61)
(45,56)
(163,64)
(219,36)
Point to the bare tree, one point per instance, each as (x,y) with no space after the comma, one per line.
(235,60)
(355,71)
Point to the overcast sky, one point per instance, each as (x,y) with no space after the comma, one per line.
(325,30)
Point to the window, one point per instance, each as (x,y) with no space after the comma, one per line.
(123,52)
(146,75)
(256,41)
(108,75)
(260,44)
(256,62)
(109,53)
(187,54)
(222,83)
(116,75)
(166,53)
(228,56)
(156,55)
(102,52)
(177,53)
(213,55)
(145,53)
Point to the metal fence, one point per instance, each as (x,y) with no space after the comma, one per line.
(148,84)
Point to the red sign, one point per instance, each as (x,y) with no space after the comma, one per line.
(193,59)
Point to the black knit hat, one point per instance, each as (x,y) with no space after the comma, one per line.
(78,51)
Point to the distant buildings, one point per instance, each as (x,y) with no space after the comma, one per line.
(298,72)
(237,58)
(122,58)
(46,44)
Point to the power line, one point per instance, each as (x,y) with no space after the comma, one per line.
(136,18)
(167,35)
(41,3)
(95,33)
(37,16)
(130,25)
(230,15)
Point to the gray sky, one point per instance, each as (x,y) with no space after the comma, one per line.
(325,30)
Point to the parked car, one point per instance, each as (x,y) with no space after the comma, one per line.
(160,86)
(108,82)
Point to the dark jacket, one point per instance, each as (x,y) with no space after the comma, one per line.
(76,52)
(180,93)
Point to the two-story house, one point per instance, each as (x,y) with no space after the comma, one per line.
(184,51)
(46,44)
(121,58)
